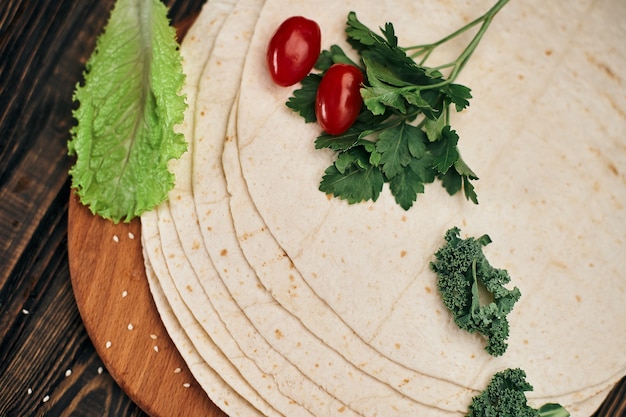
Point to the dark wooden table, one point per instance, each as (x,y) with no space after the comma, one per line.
(48,365)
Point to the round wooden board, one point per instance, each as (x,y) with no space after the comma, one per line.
(114,300)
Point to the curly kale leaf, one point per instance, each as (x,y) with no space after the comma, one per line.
(473,290)
(505,397)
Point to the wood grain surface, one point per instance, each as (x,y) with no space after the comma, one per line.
(49,366)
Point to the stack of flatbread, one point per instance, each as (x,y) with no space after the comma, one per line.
(285,302)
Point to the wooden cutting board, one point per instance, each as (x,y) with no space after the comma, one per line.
(115,303)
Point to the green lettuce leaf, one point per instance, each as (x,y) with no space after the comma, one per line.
(129,104)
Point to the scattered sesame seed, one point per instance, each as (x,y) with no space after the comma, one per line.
(107,344)
(130,326)
(26,312)
(100,370)
(186,385)
(124,294)
(156,348)
(46,398)
(153,336)
(29,391)
(177,370)
(131,235)
(116,239)
(68,372)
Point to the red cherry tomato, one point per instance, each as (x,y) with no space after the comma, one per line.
(338,100)
(293,50)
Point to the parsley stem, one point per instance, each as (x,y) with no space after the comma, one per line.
(457,65)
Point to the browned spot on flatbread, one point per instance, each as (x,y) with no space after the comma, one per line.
(596,186)
(603,67)
(609,164)
(195,245)
(428,289)
(293,293)
(558,264)
(278,334)
(402,254)
(578,298)
(548,52)
(223,252)
(615,106)
(188,288)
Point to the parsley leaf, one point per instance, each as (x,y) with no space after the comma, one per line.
(303,99)
(352,178)
(444,150)
(397,147)
(406,186)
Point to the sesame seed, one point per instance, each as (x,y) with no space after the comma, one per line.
(107,344)
(68,372)
(186,385)
(46,398)
(177,370)
(100,370)
(29,391)
(131,235)
(116,239)
(124,294)
(130,326)
(156,348)
(26,312)
(153,336)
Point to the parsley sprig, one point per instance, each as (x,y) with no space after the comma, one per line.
(402,135)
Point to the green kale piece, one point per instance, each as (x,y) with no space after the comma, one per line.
(464,278)
(505,397)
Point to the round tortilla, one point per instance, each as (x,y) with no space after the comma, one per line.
(530,204)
